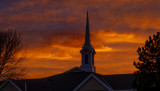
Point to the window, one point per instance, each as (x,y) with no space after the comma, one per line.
(92,59)
(86,58)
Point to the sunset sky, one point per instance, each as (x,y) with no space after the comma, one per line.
(53,32)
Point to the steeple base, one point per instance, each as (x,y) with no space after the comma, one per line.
(88,68)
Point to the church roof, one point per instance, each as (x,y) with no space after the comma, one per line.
(121,81)
(69,81)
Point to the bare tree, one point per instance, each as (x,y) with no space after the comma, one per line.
(10,46)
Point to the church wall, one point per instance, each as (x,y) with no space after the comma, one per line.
(92,85)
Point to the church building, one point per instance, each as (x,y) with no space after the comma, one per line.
(83,78)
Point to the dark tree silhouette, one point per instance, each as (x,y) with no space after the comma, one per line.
(147,78)
(10,46)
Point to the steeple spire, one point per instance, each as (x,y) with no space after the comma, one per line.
(87,36)
(87,52)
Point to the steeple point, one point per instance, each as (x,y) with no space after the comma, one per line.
(87,35)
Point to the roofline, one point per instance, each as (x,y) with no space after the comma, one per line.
(72,69)
(96,78)
(8,80)
(127,90)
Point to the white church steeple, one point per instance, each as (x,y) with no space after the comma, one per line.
(87,52)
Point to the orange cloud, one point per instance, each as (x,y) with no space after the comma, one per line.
(59,52)
(55,52)
(113,37)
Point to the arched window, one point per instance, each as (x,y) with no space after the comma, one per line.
(92,59)
(86,58)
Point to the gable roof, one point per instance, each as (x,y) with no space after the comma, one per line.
(97,79)
(10,81)
(60,82)
(69,81)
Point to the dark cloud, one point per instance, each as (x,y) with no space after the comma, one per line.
(68,39)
